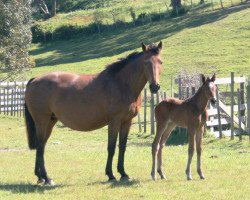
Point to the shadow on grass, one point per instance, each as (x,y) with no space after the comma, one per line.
(117,42)
(26,187)
(118,183)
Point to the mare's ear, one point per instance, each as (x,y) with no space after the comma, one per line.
(160,45)
(144,47)
(213,78)
(203,78)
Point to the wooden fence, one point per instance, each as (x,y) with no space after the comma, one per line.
(230,117)
(12,98)
(233,109)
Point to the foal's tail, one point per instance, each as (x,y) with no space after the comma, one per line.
(30,126)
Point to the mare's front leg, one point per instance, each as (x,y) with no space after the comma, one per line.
(112,137)
(199,136)
(191,134)
(123,136)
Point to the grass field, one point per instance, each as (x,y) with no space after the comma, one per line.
(194,42)
(76,161)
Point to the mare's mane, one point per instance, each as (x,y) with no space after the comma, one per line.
(122,62)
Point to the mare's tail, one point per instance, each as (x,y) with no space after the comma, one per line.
(30,126)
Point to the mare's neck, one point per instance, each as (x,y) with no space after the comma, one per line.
(133,77)
(200,99)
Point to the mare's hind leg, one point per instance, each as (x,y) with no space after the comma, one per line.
(161,127)
(43,131)
(191,134)
(123,136)
(199,136)
(112,137)
(164,138)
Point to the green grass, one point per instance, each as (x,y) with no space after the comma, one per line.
(77,165)
(194,42)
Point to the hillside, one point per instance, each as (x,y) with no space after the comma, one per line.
(194,42)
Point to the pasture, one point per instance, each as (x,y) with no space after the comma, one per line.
(193,43)
(76,161)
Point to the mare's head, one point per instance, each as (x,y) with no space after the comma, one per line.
(209,88)
(152,65)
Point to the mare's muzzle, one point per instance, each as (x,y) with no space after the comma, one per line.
(213,101)
(154,88)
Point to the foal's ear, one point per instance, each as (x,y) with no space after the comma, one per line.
(144,47)
(213,78)
(203,78)
(160,45)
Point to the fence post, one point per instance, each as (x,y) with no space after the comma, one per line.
(179,84)
(152,114)
(139,121)
(248,107)
(232,105)
(242,98)
(7,104)
(145,110)
(239,114)
(218,111)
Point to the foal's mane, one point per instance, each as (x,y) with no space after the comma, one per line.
(122,62)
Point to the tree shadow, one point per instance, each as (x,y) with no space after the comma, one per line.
(116,42)
(26,187)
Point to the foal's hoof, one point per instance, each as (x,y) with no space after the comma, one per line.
(41,182)
(163,177)
(189,178)
(202,177)
(154,178)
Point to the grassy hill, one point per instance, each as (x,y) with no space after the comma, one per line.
(194,42)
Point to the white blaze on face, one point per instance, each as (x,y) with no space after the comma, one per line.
(211,87)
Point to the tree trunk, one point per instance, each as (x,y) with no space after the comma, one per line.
(53,8)
(176,4)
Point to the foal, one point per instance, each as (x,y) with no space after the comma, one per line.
(191,114)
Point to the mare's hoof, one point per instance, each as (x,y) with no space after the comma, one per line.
(154,178)
(49,182)
(112,180)
(125,179)
(189,178)
(202,177)
(41,182)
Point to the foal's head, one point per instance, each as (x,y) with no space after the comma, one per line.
(152,65)
(209,88)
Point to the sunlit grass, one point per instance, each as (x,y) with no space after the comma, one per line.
(76,161)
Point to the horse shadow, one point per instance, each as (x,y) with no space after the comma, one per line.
(26,188)
(115,184)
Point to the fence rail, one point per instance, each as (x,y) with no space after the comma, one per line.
(12,98)
(231,114)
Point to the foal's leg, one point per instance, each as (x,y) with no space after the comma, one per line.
(161,127)
(191,134)
(123,136)
(199,136)
(43,133)
(112,137)
(164,138)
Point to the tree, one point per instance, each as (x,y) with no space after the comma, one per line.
(47,8)
(15,37)
(176,4)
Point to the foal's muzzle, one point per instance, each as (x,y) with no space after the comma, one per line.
(154,88)
(213,101)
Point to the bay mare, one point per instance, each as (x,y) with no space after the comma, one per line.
(89,102)
(191,114)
